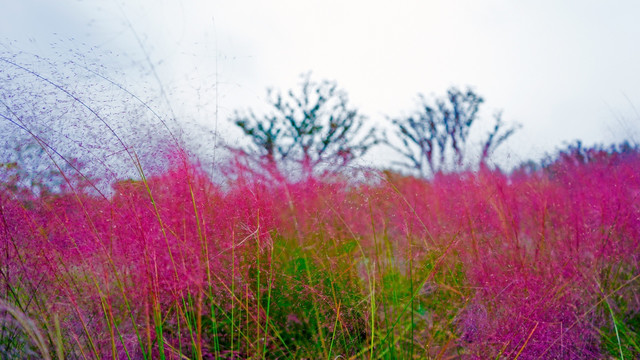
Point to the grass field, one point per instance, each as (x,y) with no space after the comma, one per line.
(540,264)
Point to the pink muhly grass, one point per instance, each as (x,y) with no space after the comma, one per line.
(531,258)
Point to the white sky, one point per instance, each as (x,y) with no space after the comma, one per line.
(565,70)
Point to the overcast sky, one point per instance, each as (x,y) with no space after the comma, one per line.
(565,70)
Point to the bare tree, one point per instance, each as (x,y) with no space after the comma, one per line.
(438,133)
(314,127)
